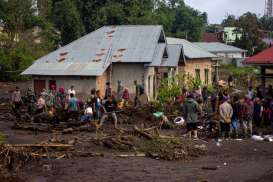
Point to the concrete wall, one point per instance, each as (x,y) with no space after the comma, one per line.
(128,72)
(83,85)
(193,64)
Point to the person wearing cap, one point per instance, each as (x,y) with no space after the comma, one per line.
(190,111)
(226,112)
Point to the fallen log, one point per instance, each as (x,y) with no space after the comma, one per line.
(39,145)
(142,133)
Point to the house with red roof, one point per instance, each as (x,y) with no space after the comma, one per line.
(263,59)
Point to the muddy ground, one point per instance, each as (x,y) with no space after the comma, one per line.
(233,160)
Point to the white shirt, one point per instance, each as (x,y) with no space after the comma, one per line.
(88,110)
(70,91)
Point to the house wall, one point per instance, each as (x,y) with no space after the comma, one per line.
(83,85)
(228,58)
(127,73)
(193,64)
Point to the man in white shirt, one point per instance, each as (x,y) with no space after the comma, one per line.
(88,113)
(71,91)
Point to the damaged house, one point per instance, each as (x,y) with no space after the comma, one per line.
(110,54)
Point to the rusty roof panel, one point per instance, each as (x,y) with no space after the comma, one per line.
(136,43)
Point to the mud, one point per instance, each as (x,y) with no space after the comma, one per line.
(233,160)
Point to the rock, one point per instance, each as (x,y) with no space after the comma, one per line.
(47,167)
(201,147)
(68,130)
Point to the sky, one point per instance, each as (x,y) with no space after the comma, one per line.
(217,10)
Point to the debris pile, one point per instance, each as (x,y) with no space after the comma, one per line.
(13,157)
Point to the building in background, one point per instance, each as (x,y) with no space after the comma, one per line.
(264,60)
(230,34)
(227,54)
(109,54)
(198,62)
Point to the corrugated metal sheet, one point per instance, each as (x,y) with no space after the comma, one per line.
(190,50)
(174,55)
(217,47)
(93,53)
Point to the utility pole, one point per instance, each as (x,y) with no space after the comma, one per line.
(268,8)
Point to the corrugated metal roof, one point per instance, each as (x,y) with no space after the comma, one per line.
(93,53)
(263,58)
(174,55)
(217,47)
(191,51)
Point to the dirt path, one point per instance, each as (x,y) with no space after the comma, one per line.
(245,161)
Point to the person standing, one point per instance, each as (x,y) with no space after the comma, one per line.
(258,110)
(91,102)
(120,90)
(226,113)
(213,101)
(190,112)
(98,104)
(250,93)
(109,109)
(108,90)
(235,116)
(205,96)
(71,91)
(139,91)
(230,81)
(125,96)
(246,115)
(16,99)
(73,107)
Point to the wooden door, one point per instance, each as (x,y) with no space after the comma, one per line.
(39,85)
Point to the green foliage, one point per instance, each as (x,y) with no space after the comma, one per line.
(249,26)
(62,21)
(238,72)
(67,19)
(267,23)
(169,90)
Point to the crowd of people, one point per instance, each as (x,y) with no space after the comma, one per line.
(57,105)
(237,115)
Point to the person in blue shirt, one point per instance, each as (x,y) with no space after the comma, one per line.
(73,107)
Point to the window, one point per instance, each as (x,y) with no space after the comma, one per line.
(197,73)
(206,76)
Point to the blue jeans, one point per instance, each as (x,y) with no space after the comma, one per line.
(85,118)
(235,125)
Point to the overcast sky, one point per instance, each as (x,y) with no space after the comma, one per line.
(218,9)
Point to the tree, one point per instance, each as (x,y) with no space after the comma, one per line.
(251,39)
(230,21)
(267,23)
(67,19)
